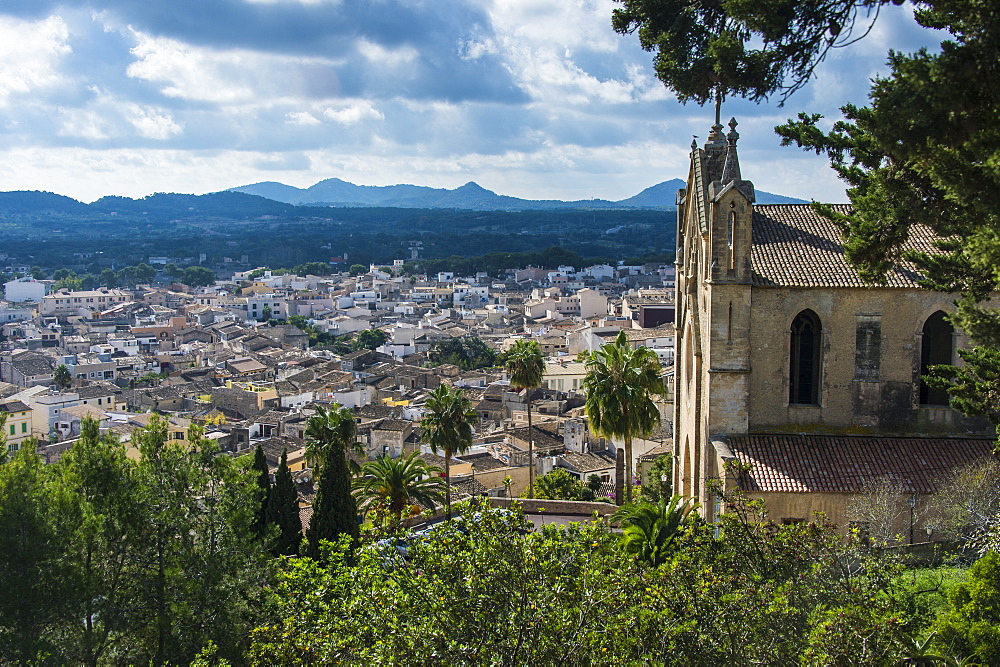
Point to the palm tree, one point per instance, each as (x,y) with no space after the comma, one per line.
(394,485)
(447,427)
(62,377)
(330,437)
(620,386)
(525,367)
(650,530)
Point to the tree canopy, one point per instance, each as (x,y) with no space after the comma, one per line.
(620,385)
(330,439)
(557,484)
(370,339)
(525,368)
(198,276)
(397,487)
(468,353)
(108,559)
(447,427)
(705,51)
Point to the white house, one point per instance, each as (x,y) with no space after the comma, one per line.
(10,314)
(24,289)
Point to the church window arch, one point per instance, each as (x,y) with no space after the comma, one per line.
(804,359)
(937,347)
(731,239)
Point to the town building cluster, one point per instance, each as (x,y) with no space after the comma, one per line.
(226,357)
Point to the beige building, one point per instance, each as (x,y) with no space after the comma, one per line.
(564,374)
(17,427)
(64,303)
(778,336)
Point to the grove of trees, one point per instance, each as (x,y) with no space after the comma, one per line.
(176,556)
(673,590)
(106,559)
(468,353)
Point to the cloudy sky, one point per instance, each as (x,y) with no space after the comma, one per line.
(529,98)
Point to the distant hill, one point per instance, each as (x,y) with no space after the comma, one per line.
(29,202)
(656,195)
(216,204)
(471,196)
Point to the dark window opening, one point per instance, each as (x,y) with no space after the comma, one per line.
(936,348)
(803,368)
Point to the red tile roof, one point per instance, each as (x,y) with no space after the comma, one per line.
(842,464)
(794,246)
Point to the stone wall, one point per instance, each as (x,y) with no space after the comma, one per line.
(859,392)
(572,507)
(235,402)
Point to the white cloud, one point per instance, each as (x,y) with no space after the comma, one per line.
(546,47)
(380,55)
(596,122)
(84,124)
(303,118)
(573,24)
(30,53)
(353,114)
(232,76)
(153,123)
(190,73)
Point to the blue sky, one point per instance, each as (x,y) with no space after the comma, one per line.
(529,98)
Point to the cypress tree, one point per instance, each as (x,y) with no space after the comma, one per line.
(264,483)
(335,511)
(330,435)
(283,511)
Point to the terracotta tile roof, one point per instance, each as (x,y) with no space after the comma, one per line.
(467,488)
(484,461)
(543,436)
(305,516)
(793,246)
(589,462)
(390,424)
(842,464)
(658,451)
(14,406)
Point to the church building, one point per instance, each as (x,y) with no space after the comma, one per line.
(787,362)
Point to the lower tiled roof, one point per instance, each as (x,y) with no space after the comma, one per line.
(843,464)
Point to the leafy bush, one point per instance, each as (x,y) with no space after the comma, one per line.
(971,627)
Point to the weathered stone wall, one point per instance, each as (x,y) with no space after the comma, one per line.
(868,386)
(235,401)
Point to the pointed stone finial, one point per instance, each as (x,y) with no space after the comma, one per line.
(694,143)
(733,134)
(731,168)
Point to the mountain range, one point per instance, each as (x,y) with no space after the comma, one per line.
(471,196)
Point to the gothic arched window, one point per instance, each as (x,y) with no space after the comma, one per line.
(731,240)
(936,347)
(804,357)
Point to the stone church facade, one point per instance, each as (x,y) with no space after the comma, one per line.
(787,362)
